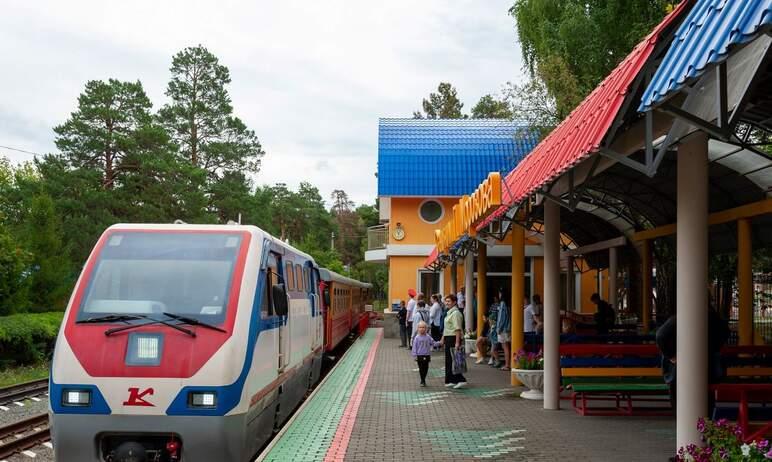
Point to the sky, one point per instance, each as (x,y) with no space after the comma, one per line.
(311,78)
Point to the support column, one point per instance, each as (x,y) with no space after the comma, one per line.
(482,285)
(551,305)
(612,278)
(692,294)
(454,277)
(570,288)
(469,319)
(646,263)
(745,281)
(518,291)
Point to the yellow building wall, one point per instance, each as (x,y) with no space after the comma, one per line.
(404,210)
(402,276)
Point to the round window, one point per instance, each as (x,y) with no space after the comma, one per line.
(431,211)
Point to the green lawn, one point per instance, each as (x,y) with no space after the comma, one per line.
(14,375)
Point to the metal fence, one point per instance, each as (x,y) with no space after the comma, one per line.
(377,237)
(762,309)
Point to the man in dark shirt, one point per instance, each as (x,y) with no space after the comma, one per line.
(604,317)
(718,333)
(402,318)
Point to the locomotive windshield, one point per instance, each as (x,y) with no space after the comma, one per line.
(143,273)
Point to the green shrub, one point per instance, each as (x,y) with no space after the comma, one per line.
(28,338)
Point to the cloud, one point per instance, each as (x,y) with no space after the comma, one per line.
(311,78)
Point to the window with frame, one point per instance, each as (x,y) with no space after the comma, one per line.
(289,276)
(300,283)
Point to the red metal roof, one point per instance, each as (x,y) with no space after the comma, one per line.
(582,132)
(432,257)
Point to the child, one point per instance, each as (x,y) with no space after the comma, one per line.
(422,350)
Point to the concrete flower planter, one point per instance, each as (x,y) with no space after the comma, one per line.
(534,380)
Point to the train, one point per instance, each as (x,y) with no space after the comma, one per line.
(192,343)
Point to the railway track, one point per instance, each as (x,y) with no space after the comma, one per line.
(22,391)
(24,434)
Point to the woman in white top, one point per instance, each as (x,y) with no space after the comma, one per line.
(435,316)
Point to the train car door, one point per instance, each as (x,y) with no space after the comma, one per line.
(285,325)
(316,307)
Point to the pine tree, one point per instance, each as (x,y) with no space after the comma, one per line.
(200,116)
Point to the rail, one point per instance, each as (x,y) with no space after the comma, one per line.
(22,391)
(24,434)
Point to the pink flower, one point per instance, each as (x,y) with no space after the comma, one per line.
(701,425)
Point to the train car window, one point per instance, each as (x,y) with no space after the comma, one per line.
(289,276)
(301,286)
(307,280)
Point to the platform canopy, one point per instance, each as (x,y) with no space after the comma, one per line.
(581,134)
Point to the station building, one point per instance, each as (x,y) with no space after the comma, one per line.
(424,168)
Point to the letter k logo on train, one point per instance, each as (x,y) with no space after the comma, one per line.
(135,397)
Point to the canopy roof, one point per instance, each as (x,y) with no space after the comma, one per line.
(707,35)
(582,132)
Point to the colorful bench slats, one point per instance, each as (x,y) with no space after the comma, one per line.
(611,372)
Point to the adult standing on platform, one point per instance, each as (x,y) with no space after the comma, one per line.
(504,329)
(435,315)
(461,299)
(409,316)
(402,319)
(453,336)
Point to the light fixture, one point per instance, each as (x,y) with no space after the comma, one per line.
(76,398)
(207,399)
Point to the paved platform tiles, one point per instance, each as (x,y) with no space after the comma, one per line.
(396,420)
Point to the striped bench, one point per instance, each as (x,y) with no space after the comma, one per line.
(621,374)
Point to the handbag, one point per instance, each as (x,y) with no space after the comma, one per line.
(459,360)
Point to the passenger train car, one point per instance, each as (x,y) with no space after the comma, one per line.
(191,343)
(344,301)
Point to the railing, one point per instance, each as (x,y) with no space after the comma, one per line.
(377,237)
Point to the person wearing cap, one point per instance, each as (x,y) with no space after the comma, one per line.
(409,317)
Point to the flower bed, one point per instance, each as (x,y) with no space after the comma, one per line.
(723,441)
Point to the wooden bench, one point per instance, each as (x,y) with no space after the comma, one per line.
(745,394)
(621,374)
(748,381)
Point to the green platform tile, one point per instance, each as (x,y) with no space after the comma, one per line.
(310,434)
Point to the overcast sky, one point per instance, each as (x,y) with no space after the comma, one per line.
(310,77)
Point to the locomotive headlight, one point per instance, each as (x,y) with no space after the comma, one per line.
(207,399)
(80,398)
(144,349)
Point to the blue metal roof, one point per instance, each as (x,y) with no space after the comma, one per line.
(446,157)
(705,38)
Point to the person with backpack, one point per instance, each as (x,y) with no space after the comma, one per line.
(421,314)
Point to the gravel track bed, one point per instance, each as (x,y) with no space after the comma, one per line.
(16,413)
(42,454)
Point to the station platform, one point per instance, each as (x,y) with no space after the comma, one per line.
(370,407)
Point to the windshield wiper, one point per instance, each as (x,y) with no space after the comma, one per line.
(193,322)
(115,330)
(110,318)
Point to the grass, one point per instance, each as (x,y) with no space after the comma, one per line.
(15,375)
